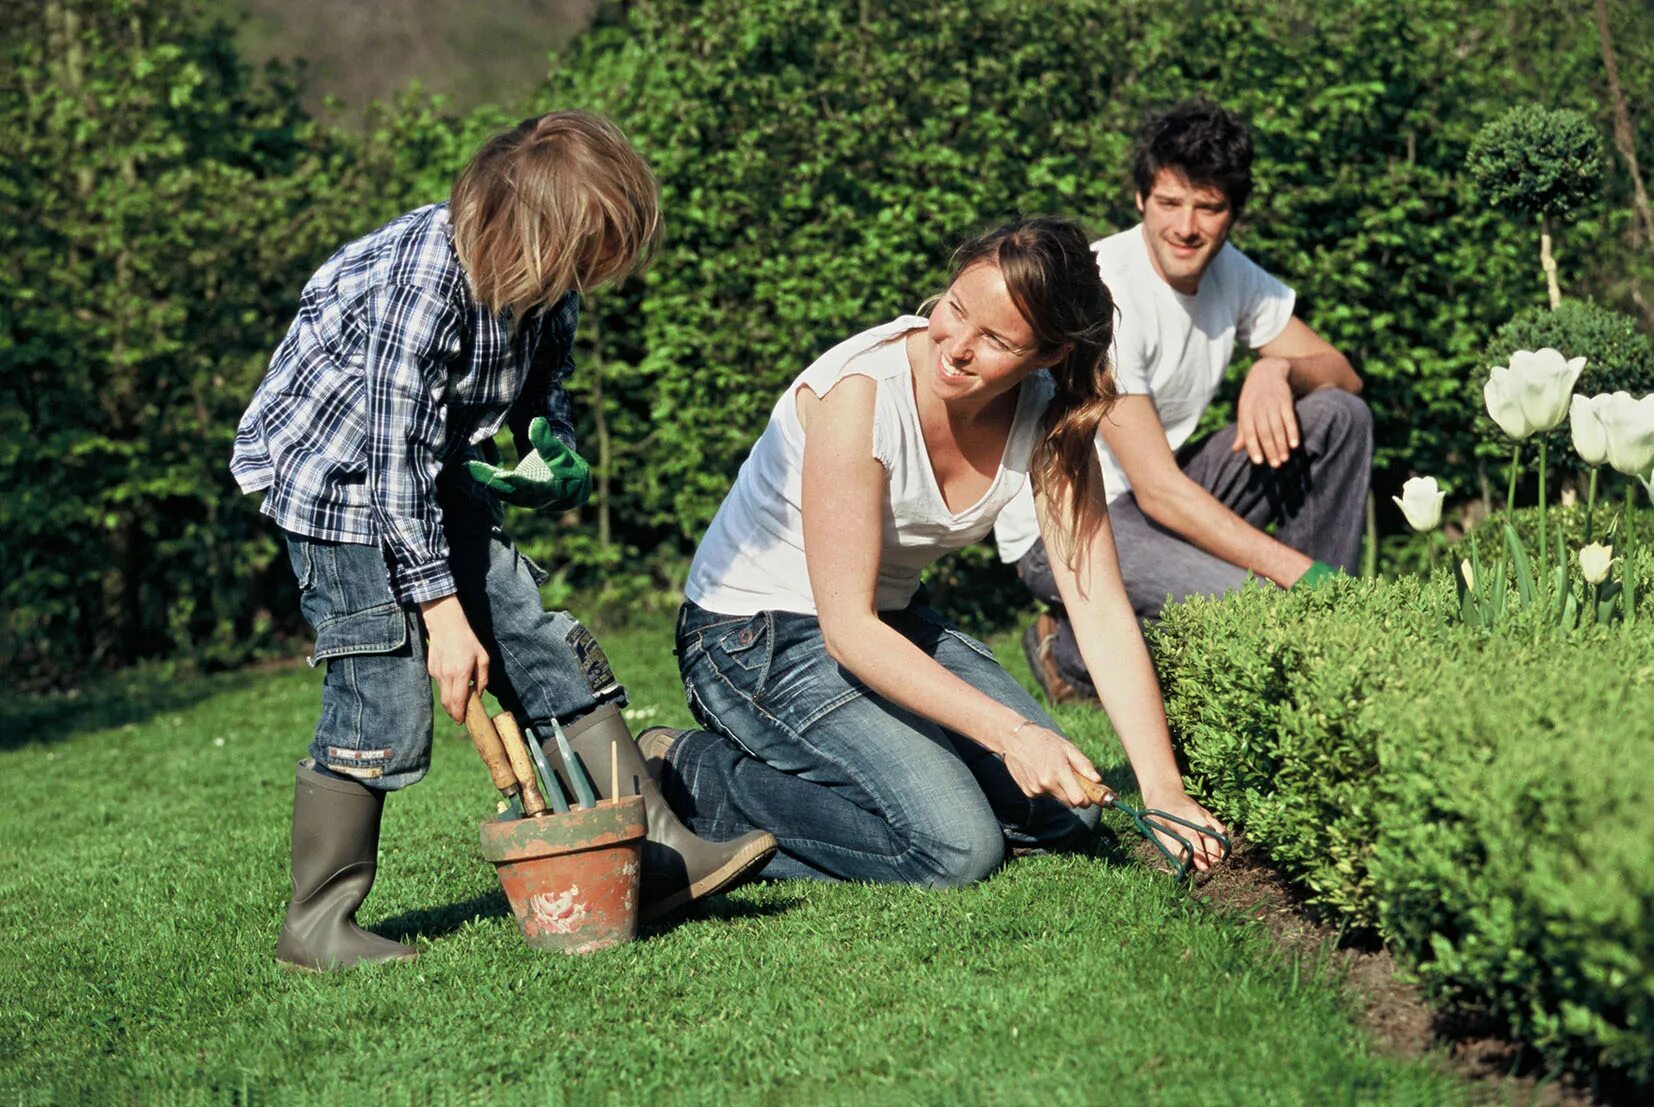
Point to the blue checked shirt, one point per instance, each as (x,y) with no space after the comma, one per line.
(391,373)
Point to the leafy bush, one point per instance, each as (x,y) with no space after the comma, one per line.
(1538,162)
(1445,788)
(1621,358)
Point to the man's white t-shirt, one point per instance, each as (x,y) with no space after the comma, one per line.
(1168,346)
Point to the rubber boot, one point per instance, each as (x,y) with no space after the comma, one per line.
(678,866)
(335,850)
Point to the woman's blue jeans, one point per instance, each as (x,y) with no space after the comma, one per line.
(853,786)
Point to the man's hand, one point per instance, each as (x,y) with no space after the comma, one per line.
(1266,426)
(550,477)
(455,658)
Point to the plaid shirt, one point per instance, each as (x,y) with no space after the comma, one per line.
(391,373)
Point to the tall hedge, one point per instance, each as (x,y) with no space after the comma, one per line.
(820,161)
(163,205)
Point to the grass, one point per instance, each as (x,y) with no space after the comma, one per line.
(143,835)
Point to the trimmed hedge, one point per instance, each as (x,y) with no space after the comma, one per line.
(1481,801)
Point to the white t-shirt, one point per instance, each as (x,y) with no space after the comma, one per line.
(752,558)
(1170,347)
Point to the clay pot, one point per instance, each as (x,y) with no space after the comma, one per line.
(572,878)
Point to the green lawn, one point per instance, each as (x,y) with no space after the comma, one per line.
(143,872)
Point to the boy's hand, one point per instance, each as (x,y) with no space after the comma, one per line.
(455,658)
(550,477)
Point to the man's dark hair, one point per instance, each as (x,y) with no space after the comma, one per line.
(1199,139)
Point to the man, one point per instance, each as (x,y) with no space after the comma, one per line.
(1189,516)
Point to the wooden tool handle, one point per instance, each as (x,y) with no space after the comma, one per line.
(512,738)
(1100,794)
(487,741)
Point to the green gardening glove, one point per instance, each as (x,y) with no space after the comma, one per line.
(550,477)
(1318,573)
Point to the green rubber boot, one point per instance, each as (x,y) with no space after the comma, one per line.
(679,867)
(335,850)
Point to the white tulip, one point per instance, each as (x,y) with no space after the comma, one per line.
(1594,561)
(1532,393)
(1468,574)
(1421,502)
(1628,426)
(1585,421)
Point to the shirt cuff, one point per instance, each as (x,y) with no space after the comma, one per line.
(420,583)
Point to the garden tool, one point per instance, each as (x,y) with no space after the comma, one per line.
(552,790)
(678,866)
(585,795)
(1149,820)
(335,852)
(512,739)
(492,750)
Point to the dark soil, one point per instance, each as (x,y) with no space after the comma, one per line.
(1384,1002)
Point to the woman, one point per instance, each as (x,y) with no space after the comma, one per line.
(876,741)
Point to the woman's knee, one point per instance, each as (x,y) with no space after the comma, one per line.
(969,849)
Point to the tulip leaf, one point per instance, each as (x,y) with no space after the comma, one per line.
(1607,594)
(1524,570)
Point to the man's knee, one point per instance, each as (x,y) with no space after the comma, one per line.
(1337,410)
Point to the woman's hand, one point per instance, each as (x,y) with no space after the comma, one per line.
(1043,762)
(1208,850)
(455,658)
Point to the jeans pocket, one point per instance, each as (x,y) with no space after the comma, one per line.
(748,645)
(377,630)
(346,596)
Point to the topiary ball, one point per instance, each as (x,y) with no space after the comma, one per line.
(1538,162)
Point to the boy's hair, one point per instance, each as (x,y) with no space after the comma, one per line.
(1207,144)
(560,202)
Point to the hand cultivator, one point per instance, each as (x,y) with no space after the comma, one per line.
(571,872)
(1151,822)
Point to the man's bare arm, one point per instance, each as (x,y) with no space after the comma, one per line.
(1137,439)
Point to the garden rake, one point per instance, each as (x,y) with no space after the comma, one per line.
(1150,820)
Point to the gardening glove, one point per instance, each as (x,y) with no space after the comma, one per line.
(1318,573)
(550,477)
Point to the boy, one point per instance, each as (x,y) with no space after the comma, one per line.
(412,346)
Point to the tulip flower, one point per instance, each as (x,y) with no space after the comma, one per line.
(1585,421)
(1628,426)
(1594,562)
(1468,573)
(1533,392)
(1421,502)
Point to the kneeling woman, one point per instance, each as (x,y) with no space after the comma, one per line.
(875,740)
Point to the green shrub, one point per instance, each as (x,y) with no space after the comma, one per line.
(1450,789)
(1619,358)
(1538,162)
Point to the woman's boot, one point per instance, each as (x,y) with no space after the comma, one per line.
(678,866)
(335,849)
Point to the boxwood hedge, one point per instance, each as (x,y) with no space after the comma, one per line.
(1481,800)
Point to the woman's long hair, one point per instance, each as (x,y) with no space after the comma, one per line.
(1052,276)
(560,202)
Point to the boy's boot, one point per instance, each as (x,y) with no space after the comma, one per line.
(335,850)
(678,866)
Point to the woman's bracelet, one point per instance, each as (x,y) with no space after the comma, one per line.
(1018,727)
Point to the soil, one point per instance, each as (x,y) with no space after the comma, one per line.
(1385,1003)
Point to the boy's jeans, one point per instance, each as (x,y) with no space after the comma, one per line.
(376,699)
(854,787)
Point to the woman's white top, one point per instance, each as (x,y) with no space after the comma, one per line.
(752,558)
